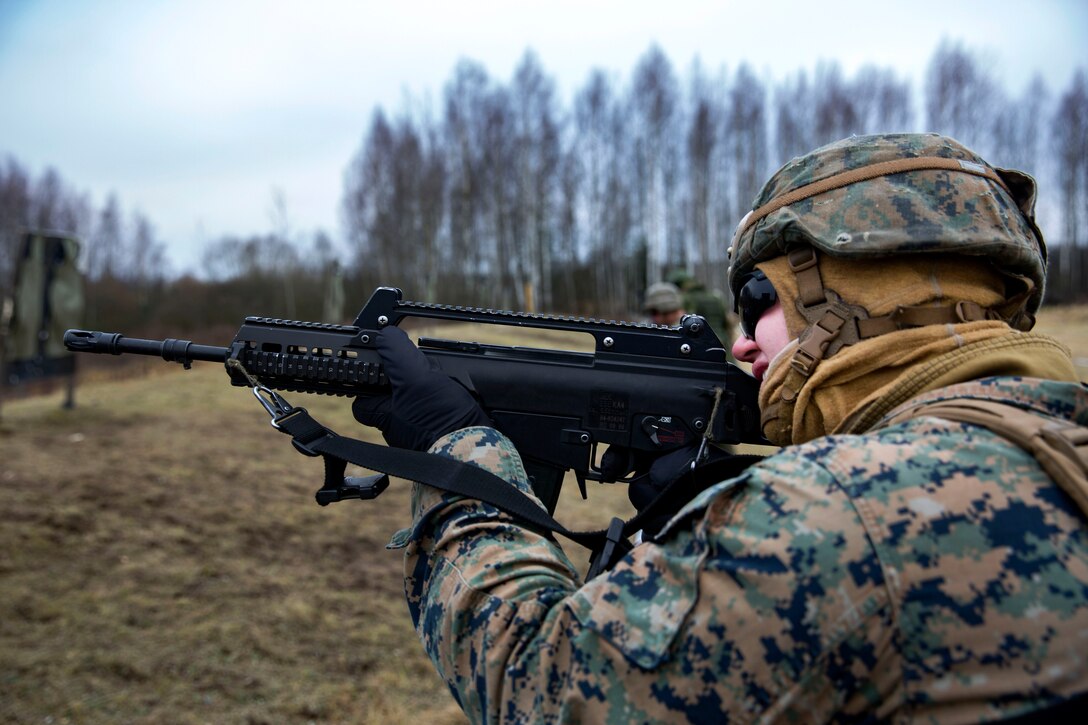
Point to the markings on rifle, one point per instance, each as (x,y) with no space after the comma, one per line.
(608,410)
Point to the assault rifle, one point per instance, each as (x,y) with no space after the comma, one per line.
(649,388)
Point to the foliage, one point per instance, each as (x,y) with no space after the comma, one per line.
(509,198)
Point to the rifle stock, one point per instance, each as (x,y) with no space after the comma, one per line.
(644,387)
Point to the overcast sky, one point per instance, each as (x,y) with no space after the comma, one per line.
(193,112)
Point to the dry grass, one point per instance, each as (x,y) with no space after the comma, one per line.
(162,561)
(1070,325)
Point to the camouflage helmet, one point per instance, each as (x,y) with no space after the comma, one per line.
(663,296)
(895,194)
(680,278)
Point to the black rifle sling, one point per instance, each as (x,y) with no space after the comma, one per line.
(458,477)
(447,474)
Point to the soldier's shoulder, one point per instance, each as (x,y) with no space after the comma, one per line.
(1055,398)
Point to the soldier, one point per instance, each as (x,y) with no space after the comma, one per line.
(701,301)
(891,562)
(664,304)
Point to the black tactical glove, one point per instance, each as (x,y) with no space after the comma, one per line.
(653,474)
(424,404)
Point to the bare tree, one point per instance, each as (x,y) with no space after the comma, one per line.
(286,258)
(836,115)
(147,258)
(882,102)
(793,104)
(654,100)
(747,137)
(705,125)
(1070,131)
(367,202)
(600,149)
(567,290)
(502,201)
(1019,129)
(537,155)
(465,124)
(322,253)
(15,205)
(961,98)
(48,200)
(497,203)
(224,259)
(431,207)
(106,245)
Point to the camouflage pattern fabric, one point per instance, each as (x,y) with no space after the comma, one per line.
(664,297)
(915,212)
(928,571)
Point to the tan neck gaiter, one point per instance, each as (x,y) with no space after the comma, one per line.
(848,388)
(850,391)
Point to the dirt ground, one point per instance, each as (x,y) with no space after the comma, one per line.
(162,560)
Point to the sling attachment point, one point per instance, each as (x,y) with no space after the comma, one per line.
(273,403)
(615,548)
(305,433)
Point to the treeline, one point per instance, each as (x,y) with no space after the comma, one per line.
(507,196)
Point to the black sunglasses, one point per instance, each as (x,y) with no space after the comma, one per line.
(756,297)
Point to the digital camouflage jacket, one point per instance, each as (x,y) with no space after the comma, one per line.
(928,571)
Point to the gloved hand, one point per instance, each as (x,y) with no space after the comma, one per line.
(661,472)
(618,461)
(653,474)
(424,404)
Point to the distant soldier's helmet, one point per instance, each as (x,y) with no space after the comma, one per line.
(680,278)
(663,297)
(896,195)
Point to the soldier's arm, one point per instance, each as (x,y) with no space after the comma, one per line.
(728,615)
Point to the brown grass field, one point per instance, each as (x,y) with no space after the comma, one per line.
(162,561)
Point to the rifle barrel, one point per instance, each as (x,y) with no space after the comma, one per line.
(170,349)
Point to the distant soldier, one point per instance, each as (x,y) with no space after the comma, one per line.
(664,304)
(918,550)
(701,301)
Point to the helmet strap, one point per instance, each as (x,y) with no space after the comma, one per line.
(834,323)
(827,316)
